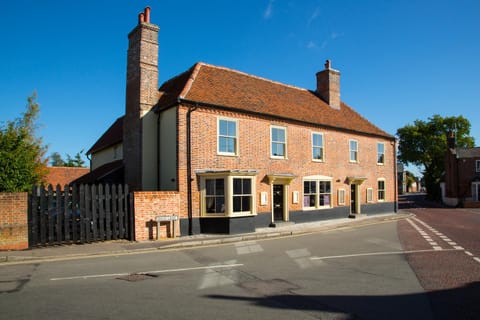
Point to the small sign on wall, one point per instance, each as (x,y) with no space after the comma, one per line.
(295,197)
(263,198)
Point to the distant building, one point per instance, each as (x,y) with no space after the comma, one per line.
(462,175)
(64,175)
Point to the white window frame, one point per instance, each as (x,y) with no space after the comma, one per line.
(380,155)
(379,197)
(236,147)
(477,165)
(229,195)
(476,191)
(321,147)
(318,180)
(353,151)
(273,156)
(341,197)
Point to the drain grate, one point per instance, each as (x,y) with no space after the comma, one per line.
(134,277)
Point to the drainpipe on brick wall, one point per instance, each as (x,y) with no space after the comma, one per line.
(189,169)
(395,176)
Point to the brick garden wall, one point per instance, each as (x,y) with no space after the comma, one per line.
(14,221)
(148,205)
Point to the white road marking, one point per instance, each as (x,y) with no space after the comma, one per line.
(377,254)
(476,259)
(109,275)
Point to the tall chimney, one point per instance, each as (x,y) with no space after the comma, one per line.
(141,96)
(328,85)
(451,140)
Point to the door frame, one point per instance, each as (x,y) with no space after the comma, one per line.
(284,180)
(284,203)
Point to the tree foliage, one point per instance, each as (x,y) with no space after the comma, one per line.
(56,160)
(424,143)
(21,152)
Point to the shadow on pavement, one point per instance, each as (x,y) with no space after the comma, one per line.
(457,303)
(416,200)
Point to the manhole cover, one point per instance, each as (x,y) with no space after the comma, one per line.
(137,277)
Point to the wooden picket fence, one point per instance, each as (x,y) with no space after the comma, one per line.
(79,214)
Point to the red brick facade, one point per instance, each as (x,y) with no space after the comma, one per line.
(14,222)
(254,153)
(150,204)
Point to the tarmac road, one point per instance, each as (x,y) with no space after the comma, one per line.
(451,273)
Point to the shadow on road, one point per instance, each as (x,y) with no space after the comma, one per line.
(457,303)
(416,200)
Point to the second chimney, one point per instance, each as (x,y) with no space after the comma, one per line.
(328,85)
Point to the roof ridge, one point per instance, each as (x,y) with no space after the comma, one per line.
(251,76)
(193,74)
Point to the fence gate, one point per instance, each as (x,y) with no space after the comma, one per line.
(79,214)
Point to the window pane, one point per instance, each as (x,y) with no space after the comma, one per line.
(246,203)
(223,130)
(210,187)
(219,187)
(247,186)
(237,186)
(237,204)
(278,149)
(232,129)
(220,204)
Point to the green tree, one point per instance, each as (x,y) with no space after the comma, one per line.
(21,152)
(424,144)
(56,160)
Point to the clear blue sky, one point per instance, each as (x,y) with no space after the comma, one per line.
(400,60)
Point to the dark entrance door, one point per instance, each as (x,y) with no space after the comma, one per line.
(278,202)
(353,198)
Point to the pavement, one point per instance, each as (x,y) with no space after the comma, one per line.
(119,247)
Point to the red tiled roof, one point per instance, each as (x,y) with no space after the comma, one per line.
(112,136)
(111,172)
(231,89)
(64,175)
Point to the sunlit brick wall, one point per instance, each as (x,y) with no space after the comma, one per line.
(13,221)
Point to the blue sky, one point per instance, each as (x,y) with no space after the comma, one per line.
(400,60)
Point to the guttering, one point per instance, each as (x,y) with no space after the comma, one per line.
(189,168)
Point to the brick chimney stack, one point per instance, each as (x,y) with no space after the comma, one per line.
(141,96)
(328,85)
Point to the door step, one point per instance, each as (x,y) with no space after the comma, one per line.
(280,224)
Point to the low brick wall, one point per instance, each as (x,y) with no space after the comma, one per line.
(148,205)
(471,204)
(14,221)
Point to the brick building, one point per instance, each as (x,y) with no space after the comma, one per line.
(240,151)
(462,175)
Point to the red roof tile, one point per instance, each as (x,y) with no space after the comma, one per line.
(112,136)
(231,89)
(64,175)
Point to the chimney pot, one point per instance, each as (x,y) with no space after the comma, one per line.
(147,14)
(328,64)
(141,17)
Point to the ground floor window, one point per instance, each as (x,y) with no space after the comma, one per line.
(227,195)
(317,194)
(381,190)
(215,195)
(476,191)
